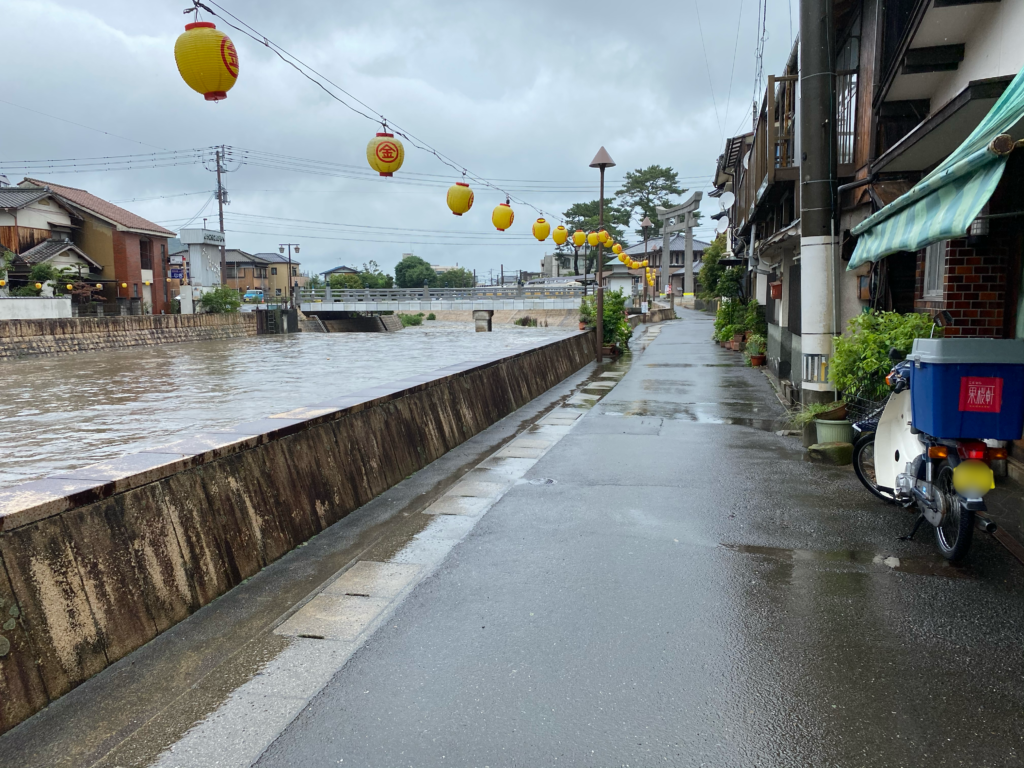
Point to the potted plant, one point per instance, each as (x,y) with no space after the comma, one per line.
(588,312)
(756,348)
(807,419)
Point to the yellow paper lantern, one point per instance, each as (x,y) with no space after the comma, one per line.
(207,60)
(644,263)
(124,285)
(385,154)
(38,286)
(579,237)
(604,236)
(70,287)
(616,248)
(541,229)
(99,286)
(593,238)
(3,283)
(560,235)
(622,258)
(460,198)
(502,216)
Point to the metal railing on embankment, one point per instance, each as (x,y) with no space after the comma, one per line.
(480,293)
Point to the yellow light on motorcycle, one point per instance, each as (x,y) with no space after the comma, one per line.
(888,380)
(938,452)
(973,478)
(996,454)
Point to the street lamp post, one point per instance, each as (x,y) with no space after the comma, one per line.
(291,283)
(601,161)
(646,226)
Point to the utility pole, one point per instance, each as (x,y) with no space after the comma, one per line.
(291,283)
(817,197)
(220,213)
(602,160)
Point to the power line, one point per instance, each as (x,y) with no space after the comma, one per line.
(732,70)
(708,67)
(80,125)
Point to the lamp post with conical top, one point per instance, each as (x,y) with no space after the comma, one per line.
(601,161)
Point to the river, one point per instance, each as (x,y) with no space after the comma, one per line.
(58,414)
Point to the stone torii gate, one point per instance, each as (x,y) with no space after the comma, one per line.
(676,219)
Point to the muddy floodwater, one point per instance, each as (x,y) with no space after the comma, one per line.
(62,413)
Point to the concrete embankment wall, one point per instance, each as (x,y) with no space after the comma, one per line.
(556,318)
(654,316)
(28,338)
(96,562)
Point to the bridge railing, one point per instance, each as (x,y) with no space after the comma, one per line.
(480,293)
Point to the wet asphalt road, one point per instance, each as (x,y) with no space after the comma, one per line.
(688,591)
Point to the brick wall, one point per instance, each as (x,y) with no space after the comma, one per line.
(974,287)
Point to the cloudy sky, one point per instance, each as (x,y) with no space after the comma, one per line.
(522,94)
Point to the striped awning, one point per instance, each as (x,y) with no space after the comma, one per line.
(944,203)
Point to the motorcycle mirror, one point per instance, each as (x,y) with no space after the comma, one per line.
(942,318)
(895,355)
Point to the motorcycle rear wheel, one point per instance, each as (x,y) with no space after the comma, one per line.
(955,533)
(864,466)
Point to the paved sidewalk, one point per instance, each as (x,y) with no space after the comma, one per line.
(671,583)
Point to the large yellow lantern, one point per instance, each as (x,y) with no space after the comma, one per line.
(560,235)
(502,216)
(39,286)
(616,248)
(593,238)
(460,198)
(579,237)
(622,258)
(604,236)
(207,60)
(385,153)
(541,229)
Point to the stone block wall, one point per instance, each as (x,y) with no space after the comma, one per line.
(97,562)
(28,338)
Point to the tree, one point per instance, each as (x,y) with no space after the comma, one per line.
(221,300)
(460,277)
(586,216)
(644,189)
(710,270)
(314,282)
(373,277)
(412,272)
(345,280)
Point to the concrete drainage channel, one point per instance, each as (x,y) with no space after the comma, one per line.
(322,632)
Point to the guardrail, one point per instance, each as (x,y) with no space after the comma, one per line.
(439,294)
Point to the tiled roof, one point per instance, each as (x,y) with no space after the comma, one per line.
(340,269)
(48,249)
(19,197)
(277,258)
(678,243)
(102,208)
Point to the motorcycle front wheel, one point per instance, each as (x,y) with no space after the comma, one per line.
(864,466)
(955,533)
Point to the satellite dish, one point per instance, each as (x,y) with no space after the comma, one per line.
(723,224)
(726,200)
(746,161)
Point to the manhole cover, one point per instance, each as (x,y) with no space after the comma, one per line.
(543,481)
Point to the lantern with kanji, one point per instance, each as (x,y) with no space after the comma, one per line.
(502,216)
(207,60)
(593,238)
(560,235)
(616,248)
(579,237)
(460,198)
(385,153)
(603,236)
(541,229)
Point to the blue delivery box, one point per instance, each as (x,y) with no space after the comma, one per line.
(968,388)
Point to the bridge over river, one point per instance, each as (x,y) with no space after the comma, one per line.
(435,299)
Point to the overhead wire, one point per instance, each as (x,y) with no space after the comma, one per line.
(80,125)
(707,66)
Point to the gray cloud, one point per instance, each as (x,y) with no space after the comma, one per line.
(514,91)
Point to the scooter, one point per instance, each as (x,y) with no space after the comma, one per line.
(945,480)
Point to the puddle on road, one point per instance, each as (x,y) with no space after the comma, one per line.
(690,365)
(917,566)
(704,413)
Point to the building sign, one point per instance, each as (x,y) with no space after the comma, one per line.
(177,274)
(981,394)
(176,258)
(201,237)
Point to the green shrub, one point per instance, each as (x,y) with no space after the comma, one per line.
(617,329)
(221,300)
(756,344)
(408,320)
(588,311)
(753,318)
(431,316)
(860,359)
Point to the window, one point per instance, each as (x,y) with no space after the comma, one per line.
(135,290)
(847,63)
(273,271)
(934,269)
(295,271)
(260,272)
(232,271)
(277,292)
(146,254)
(163,250)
